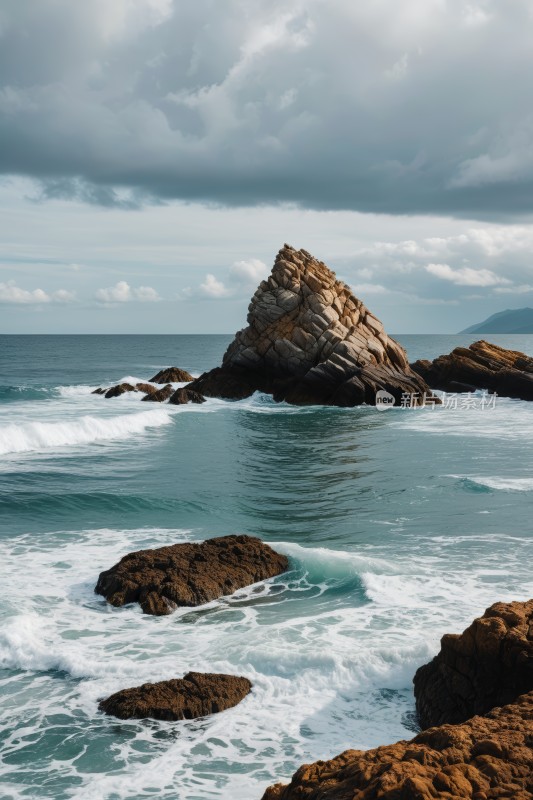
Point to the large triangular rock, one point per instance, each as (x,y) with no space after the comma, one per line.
(310,340)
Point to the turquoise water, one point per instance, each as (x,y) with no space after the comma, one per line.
(401,525)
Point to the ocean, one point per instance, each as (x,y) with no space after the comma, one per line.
(401,525)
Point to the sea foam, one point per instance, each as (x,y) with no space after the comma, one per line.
(37,436)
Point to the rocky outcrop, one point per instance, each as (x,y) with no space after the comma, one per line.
(310,340)
(160,395)
(482,759)
(195,695)
(189,574)
(488,665)
(509,373)
(121,388)
(146,388)
(184,395)
(172,375)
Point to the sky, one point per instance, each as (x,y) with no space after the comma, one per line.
(156,154)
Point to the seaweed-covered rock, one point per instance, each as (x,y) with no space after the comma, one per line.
(195,695)
(189,574)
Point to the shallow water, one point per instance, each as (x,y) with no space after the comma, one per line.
(400,525)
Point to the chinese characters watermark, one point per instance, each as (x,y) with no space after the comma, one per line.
(464,401)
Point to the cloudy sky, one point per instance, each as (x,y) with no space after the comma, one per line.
(155,154)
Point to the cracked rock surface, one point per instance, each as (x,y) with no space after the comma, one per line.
(310,340)
(509,373)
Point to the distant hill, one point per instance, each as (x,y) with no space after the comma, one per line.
(513,320)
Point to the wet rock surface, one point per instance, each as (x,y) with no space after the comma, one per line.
(184,395)
(509,373)
(478,758)
(189,574)
(487,665)
(310,340)
(119,389)
(172,375)
(159,395)
(195,695)
(482,759)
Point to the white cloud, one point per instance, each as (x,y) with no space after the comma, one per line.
(145,95)
(250,272)
(122,292)
(146,294)
(213,288)
(12,294)
(466,276)
(368,288)
(63,296)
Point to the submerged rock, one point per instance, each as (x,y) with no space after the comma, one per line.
(189,574)
(172,375)
(310,340)
(509,373)
(195,695)
(159,395)
(488,665)
(184,395)
(482,759)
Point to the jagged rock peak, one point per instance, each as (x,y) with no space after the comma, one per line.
(309,340)
(302,316)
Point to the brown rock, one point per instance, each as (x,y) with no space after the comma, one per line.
(147,388)
(160,395)
(194,695)
(100,390)
(309,340)
(482,759)
(189,574)
(488,665)
(172,375)
(120,388)
(509,373)
(184,395)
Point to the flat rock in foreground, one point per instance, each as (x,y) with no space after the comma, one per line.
(509,373)
(482,759)
(310,340)
(195,695)
(487,665)
(189,574)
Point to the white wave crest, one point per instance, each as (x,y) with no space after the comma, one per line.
(505,484)
(35,436)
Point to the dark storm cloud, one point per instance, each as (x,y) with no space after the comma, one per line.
(422,106)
